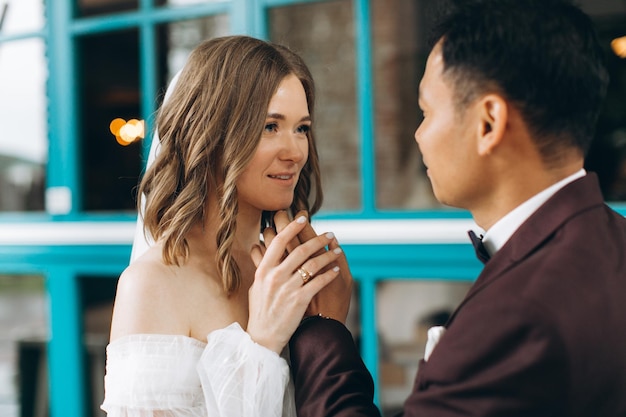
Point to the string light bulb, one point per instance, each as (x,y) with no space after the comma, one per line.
(127,132)
(618,45)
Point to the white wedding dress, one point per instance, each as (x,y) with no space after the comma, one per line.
(149,375)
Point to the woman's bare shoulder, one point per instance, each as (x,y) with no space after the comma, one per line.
(148,278)
(147,298)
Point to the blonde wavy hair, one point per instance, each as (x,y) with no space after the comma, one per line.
(209,129)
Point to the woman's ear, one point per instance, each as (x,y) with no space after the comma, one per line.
(493,118)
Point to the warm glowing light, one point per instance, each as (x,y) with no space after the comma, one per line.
(127,132)
(121,141)
(116,124)
(619,46)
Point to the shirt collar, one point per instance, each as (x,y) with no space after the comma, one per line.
(504,228)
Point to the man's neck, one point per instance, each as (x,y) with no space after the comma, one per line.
(515,190)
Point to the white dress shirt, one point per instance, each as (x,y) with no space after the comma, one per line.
(504,228)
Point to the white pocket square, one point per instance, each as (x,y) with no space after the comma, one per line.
(434,334)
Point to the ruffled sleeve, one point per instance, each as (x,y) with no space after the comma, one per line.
(242,378)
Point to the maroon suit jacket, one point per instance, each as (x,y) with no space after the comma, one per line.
(542,332)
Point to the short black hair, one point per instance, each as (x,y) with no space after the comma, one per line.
(541,55)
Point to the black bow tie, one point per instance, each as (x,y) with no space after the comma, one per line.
(481,252)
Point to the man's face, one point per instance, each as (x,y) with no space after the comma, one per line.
(446,137)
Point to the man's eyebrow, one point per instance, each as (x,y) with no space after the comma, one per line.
(280,116)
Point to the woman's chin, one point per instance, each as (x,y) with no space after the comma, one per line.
(278,208)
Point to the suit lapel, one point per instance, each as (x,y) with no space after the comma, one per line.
(537,229)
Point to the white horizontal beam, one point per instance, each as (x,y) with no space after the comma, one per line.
(400,231)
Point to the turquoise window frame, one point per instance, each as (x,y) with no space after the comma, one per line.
(63,262)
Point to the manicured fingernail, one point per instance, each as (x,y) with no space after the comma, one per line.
(330,235)
(301,219)
(336,269)
(337,250)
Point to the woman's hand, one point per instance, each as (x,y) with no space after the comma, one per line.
(334,299)
(278,298)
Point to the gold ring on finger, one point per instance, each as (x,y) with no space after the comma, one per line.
(306,275)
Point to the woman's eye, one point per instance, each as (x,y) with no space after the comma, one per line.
(271,127)
(304,129)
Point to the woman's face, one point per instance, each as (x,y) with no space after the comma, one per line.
(270,178)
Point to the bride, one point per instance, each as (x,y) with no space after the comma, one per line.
(197,328)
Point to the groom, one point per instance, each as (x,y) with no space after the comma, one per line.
(511,95)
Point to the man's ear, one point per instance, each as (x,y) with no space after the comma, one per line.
(493,117)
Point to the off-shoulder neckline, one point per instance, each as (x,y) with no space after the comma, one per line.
(156,337)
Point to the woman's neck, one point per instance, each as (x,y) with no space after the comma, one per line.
(202,238)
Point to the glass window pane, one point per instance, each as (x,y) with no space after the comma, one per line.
(97,294)
(400,31)
(18,16)
(323,34)
(100,7)
(108,88)
(24,333)
(23,137)
(607,155)
(405,312)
